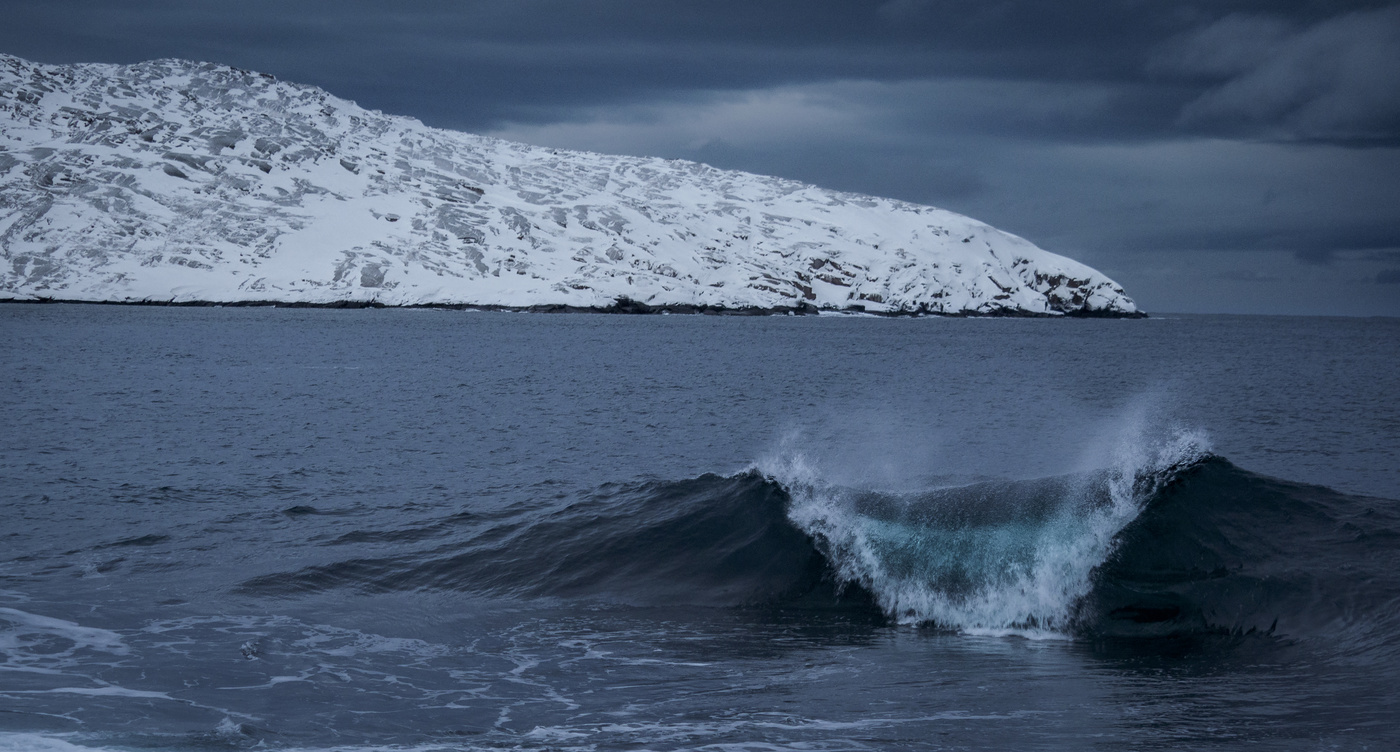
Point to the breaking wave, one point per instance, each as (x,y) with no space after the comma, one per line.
(1168,540)
(987,557)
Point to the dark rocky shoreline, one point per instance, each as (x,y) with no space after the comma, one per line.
(621,305)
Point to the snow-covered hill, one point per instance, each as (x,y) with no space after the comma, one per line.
(180,181)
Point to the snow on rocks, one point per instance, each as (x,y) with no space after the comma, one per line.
(173,181)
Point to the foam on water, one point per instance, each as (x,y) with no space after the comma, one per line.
(226,735)
(24,625)
(39,743)
(1017,569)
(37,644)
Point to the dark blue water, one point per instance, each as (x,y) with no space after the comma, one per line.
(429,530)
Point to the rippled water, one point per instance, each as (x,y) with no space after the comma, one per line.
(314,529)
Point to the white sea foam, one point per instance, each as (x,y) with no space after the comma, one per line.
(35,644)
(227,732)
(39,743)
(24,625)
(1015,574)
(103,691)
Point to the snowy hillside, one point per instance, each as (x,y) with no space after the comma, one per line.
(180,181)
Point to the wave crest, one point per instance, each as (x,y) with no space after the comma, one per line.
(1168,540)
(993,557)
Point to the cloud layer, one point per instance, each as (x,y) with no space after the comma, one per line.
(1335,80)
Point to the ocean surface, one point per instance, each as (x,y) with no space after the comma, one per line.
(278,529)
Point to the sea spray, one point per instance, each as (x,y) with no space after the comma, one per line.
(1005,557)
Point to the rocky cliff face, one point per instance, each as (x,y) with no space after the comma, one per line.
(179,181)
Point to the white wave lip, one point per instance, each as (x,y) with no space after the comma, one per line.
(179,181)
(1026,575)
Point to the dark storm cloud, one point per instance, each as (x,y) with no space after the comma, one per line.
(1338,79)
(474,63)
(1169,143)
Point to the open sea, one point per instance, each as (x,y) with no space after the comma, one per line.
(414,530)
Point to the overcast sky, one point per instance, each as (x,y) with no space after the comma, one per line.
(1216,156)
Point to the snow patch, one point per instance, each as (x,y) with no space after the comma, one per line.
(178,181)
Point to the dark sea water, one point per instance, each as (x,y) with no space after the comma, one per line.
(271,529)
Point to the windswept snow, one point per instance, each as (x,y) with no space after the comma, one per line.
(180,181)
